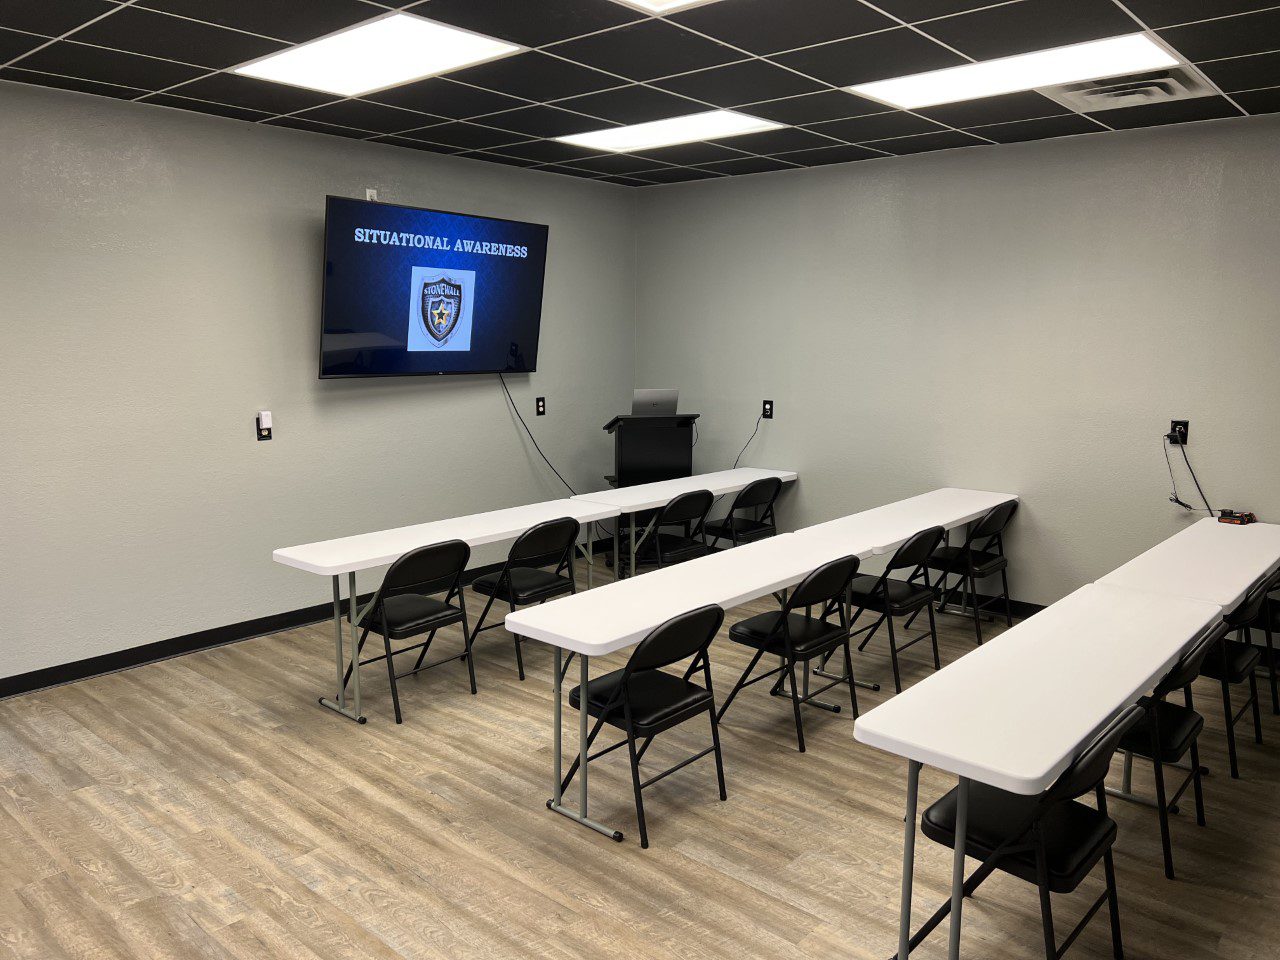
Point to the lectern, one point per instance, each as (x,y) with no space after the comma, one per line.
(651,448)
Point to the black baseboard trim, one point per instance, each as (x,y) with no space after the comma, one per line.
(62,673)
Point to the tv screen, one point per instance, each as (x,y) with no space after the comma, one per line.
(411,292)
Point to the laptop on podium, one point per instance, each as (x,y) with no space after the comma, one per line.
(654,403)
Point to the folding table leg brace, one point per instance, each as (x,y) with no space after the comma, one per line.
(338,703)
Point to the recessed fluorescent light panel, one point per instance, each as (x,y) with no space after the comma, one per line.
(1082,61)
(381,53)
(712,125)
(664,6)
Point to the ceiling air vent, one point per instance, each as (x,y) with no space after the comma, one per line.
(1158,86)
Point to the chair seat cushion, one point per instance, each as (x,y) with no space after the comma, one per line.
(409,614)
(903,597)
(1232,661)
(527,585)
(809,635)
(744,528)
(955,560)
(1076,835)
(658,700)
(1178,726)
(675,548)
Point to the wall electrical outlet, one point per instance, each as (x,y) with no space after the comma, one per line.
(371,193)
(540,406)
(767,411)
(1179,431)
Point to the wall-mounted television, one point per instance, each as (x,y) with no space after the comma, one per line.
(415,292)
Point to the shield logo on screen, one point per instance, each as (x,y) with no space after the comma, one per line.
(442,306)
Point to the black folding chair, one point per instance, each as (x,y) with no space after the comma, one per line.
(1166,733)
(1051,840)
(1236,661)
(643,701)
(981,556)
(796,637)
(404,607)
(688,512)
(522,579)
(891,597)
(1268,621)
(739,526)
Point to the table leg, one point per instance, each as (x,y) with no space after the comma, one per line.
(957,866)
(632,525)
(617,547)
(556,803)
(558,723)
(908,860)
(591,555)
(340,704)
(353,600)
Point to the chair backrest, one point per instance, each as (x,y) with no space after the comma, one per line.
(428,569)
(1090,766)
(1188,666)
(548,542)
(688,507)
(1251,607)
(825,584)
(678,639)
(993,522)
(916,550)
(757,493)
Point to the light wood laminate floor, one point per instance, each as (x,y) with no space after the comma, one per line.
(206,807)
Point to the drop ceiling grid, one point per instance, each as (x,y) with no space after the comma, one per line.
(488,140)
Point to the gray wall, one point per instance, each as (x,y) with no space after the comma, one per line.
(159,284)
(1023,318)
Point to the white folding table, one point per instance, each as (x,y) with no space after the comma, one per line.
(1208,560)
(333,558)
(622,613)
(1016,711)
(651,496)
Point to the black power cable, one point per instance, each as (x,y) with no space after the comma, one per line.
(512,401)
(1173,497)
(748,443)
(1192,471)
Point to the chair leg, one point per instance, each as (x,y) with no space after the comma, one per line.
(346,677)
(1231,729)
(1257,713)
(893,656)
(1195,782)
(466,640)
(848,672)
(738,686)
(1271,657)
(1046,907)
(635,783)
(1008,604)
(519,654)
(795,704)
(933,635)
(1113,905)
(715,743)
(1161,805)
(422,655)
(977,617)
(391,675)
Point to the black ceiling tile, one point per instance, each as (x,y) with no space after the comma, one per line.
(913,11)
(748,165)
(1174,111)
(1029,25)
(677,175)
(368,116)
(1228,37)
(633,104)
(823,155)
(1165,13)
(775,141)
(747,82)
(542,121)
(545,151)
(893,53)
(294,22)
(644,50)
(1041,129)
(569,171)
(1244,73)
(297,123)
(175,38)
(617,163)
(692,153)
(496,158)
(814,107)
(767,26)
(203,106)
(15,44)
(415,144)
(458,133)
(1026,105)
(68,83)
(895,123)
(109,66)
(444,98)
(252,93)
(51,19)
(625,181)
(1259,101)
(531,23)
(925,142)
(536,76)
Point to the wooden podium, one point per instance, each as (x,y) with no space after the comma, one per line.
(651,448)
